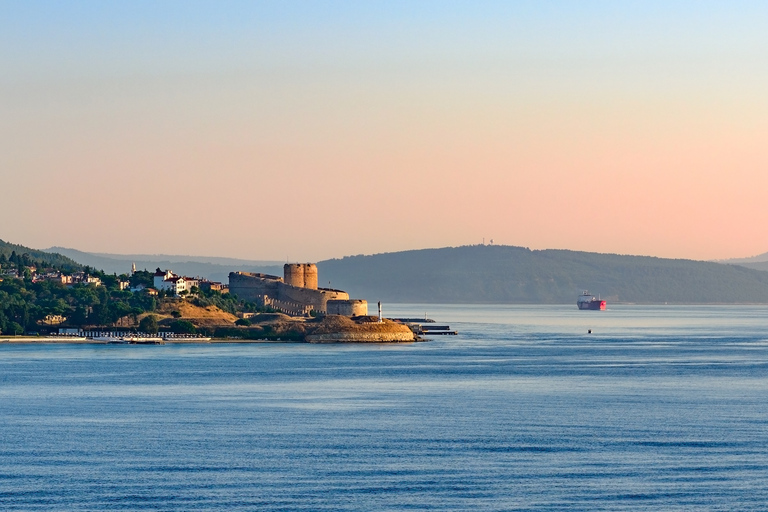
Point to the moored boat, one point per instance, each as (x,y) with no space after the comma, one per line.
(587,301)
(112,340)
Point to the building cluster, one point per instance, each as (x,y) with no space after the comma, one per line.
(181,285)
(74,278)
(58,277)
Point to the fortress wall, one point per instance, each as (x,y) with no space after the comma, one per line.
(317,298)
(253,287)
(352,307)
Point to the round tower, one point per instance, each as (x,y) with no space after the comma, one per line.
(353,307)
(310,276)
(293,274)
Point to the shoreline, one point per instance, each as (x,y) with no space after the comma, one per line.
(219,341)
(26,340)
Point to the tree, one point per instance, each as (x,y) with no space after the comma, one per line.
(243,321)
(148,324)
(15,328)
(79,317)
(183,327)
(135,312)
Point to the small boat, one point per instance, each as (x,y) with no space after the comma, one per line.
(112,340)
(144,340)
(587,301)
(189,338)
(129,339)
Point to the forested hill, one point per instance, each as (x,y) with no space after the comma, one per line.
(504,274)
(38,258)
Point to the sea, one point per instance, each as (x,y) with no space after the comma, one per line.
(658,408)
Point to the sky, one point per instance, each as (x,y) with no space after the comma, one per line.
(304,131)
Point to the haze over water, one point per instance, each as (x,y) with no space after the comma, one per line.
(660,408)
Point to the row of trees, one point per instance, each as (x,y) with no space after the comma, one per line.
(25,305)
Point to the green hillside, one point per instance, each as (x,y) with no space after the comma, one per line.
(505,274)
(38,258)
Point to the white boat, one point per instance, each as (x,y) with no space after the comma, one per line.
(110,339)
(134,340)
(185,337)
(144,340)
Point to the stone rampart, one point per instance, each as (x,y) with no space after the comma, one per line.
(318,299)
(351,307)
(289,308)
(251,287)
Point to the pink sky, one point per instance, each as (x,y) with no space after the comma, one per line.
(263,134)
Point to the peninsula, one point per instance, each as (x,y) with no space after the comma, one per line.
(49,296)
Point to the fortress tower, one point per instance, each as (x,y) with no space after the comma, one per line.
(293,274)
(300,275)
(310,276)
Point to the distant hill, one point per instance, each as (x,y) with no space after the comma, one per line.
(759,262)
(517,275)
(51,258)
(758,265)
(215,269)
(760,258)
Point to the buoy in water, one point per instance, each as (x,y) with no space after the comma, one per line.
(589,331)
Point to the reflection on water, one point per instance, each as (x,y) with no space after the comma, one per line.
(660,408)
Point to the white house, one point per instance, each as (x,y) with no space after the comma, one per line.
(171,282)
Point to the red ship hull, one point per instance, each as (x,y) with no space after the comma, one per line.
(595,304)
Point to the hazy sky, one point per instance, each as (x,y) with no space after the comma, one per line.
(309,130)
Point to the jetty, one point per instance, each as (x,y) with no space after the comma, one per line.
(424,327)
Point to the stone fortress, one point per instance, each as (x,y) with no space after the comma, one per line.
(296,293)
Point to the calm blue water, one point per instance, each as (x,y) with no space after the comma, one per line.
(661,408)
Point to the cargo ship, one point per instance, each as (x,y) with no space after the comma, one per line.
(587,301)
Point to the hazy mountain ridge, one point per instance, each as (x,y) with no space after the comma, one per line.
(506,274)
(758,265)
(213,268)
(760,258)
(493,274)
